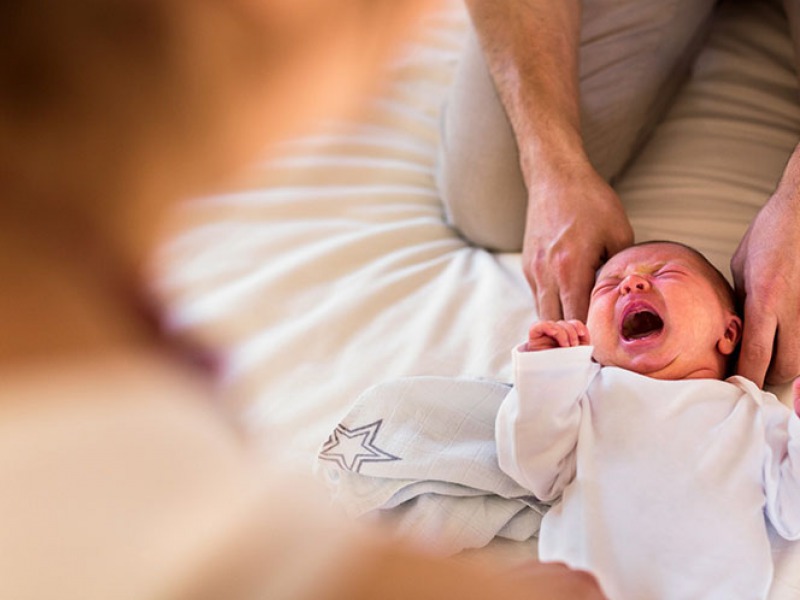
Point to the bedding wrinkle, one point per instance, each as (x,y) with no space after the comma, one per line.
(377,285)
(356,141)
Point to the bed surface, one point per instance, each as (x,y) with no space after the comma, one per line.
(332,269)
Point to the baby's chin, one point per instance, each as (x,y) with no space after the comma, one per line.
(660,367)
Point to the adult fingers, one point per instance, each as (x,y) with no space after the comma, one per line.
(548,303)
(786,360)
(544,290)
(758,340)
(569,299)
(575,298)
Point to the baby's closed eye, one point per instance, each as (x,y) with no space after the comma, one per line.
(605,285)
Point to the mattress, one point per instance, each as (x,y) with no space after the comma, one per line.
(332,269)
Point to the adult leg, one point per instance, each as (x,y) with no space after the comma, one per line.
(719,152)
(478,172)
(792,8)
(632,58)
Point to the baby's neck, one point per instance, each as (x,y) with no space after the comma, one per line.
(677,374)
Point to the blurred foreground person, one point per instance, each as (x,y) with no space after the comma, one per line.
(120,476)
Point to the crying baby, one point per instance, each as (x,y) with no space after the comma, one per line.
(650,457)
(659,309)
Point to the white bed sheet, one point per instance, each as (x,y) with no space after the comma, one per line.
(332,269)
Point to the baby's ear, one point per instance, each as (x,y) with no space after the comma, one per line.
(733,333)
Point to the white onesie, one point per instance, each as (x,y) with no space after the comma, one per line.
(664,485)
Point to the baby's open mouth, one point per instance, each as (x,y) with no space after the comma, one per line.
(641,323)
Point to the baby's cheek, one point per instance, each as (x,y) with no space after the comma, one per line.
(601,353)
(592,326)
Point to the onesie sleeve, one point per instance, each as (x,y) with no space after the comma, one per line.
(537,424)
(782,470)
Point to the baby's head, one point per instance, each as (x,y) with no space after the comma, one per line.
(662,310)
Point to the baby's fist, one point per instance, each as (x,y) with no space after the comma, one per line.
(556,334)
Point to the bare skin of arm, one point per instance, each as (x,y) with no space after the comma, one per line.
(575,220)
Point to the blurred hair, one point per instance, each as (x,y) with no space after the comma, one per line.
(88,87)
(98,95)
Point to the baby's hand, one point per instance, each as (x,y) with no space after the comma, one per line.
(796,395)
(558,334)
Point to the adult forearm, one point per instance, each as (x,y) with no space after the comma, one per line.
(531,48)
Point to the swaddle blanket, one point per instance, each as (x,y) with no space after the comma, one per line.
(420,452)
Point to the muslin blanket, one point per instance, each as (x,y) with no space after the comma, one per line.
(420,452)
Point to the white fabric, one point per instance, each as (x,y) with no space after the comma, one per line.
(331,270)
(419,453)
(662,484)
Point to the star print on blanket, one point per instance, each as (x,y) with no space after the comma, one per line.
(426,464)
(351,448)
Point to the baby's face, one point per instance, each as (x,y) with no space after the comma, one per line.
(655,310)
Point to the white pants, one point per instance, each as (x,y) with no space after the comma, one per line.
(725,136)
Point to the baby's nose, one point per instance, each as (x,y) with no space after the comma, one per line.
(634,283)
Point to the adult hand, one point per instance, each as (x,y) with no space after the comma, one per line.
(575,223)
(766,275)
